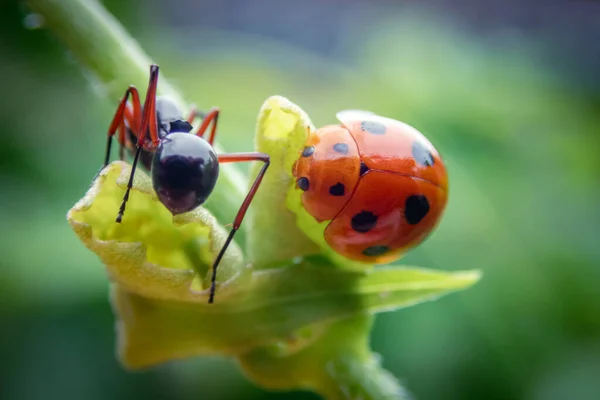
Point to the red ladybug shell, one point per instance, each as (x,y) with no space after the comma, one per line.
(380,183)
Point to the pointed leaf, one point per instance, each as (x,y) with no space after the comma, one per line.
(270,308)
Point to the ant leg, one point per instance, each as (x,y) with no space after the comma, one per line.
(122,134)
(125,131)
(119,118)
(211,116)
(149,122)
(238,157)
(194,112)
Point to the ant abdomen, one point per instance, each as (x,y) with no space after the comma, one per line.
(185,169)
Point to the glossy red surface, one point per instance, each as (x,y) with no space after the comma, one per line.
(395,185)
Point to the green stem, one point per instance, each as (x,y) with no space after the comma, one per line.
(339,365)
(353,371)
(114,60)
(353,377)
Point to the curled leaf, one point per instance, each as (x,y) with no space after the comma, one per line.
(151,253)
(280,133)
(287,229)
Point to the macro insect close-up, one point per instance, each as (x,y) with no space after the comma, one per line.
(380,182)
(184,165)
(306,200)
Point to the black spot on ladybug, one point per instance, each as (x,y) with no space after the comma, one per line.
(364,221)
(363,168)
(337,190)
(341,148)
(308,151)
(373,127)
(415,209)
(303,183)
(374,251)
(422,155)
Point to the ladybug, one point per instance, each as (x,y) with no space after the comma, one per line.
(379,183)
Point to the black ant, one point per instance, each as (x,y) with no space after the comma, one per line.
(184,166)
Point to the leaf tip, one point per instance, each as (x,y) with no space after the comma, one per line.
(468,278)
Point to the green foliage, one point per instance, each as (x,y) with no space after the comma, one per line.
(151,252)
(313,313)
(520,143)
(283,130)
(274,319)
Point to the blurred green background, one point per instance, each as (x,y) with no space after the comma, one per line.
(508,92)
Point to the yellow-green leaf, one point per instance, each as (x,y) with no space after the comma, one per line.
(151,253)
(160,265)
(277,307)
(287,230)
(281,130)
(337,363)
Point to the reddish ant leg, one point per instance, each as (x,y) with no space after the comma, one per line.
(211,116)
(119,118)
(122,138)
(238,157)
(128,124)
(194,112)
(149,122)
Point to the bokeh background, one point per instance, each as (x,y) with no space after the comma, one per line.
(508,91)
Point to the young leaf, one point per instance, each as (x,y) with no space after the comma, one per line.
(287,230)
(272,308)
(281,132)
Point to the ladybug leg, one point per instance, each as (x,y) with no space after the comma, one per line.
(238,157)
(211,116)
(150,123)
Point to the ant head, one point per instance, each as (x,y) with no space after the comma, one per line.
(170,117)
(185,169)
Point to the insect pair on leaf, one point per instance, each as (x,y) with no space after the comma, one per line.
(379,182)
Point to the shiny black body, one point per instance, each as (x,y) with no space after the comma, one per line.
(184,167)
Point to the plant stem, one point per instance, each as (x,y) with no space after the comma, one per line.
(354,371)
(114,60)
(339,365)
(353,378)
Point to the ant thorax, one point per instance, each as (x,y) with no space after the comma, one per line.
(170,118)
